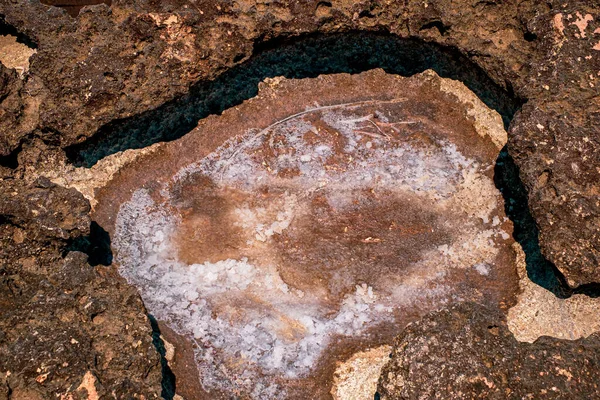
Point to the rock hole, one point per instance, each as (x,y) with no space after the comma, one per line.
(73,7)
(11,160)
(530,36)
(366,14)
(439,25)
(96,245)
(494,330)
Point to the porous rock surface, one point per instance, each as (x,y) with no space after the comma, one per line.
(539,312)
(114,62)
(468,352)
(67,329)
(118,61)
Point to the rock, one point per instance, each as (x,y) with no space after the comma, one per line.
(46,210)
(468,352)
(554,137)
(309,221)
(356,378)
(15,55)
(115,62)
(539,312)
(66,327)
(10,110)
(134,69)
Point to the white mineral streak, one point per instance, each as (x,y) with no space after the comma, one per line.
(279,330)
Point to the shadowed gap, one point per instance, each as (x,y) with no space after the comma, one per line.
(73,7)
(8,29)
(168,378)
(305,57)
(11,160)
(539,269)
(96,245)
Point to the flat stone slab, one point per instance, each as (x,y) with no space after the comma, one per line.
(310,223)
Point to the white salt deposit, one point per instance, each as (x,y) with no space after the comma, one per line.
(247,322)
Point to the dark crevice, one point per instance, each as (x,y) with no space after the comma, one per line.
(588,289)
(8,29)
(73,7)
(96,245)
(439,25)
(305,57)
(530,36)
(539,269)
(168,378)
(11,160)
(366,14)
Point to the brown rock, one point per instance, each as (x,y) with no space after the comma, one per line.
(115,62)
(50,339)
(467,352)
(298,228)
(107,64)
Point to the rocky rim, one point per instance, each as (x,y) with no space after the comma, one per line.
(86,328)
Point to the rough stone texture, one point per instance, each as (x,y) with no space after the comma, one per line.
(49,163)
(555,137)
(539,312)
(14,54)
(18,113)
(118,61)
(468,351)
(67,329)
(357,377)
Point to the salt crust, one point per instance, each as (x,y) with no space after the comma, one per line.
(280,331)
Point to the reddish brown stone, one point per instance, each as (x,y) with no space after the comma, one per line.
(309,223)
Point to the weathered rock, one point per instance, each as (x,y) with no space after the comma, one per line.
(301,226)
(119,61)
(467,352)
(10,110)
(67,329)
(357,377)
(555,137)
(128,59)
(45,210)
(539,312)
(131,57)
(15,55)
